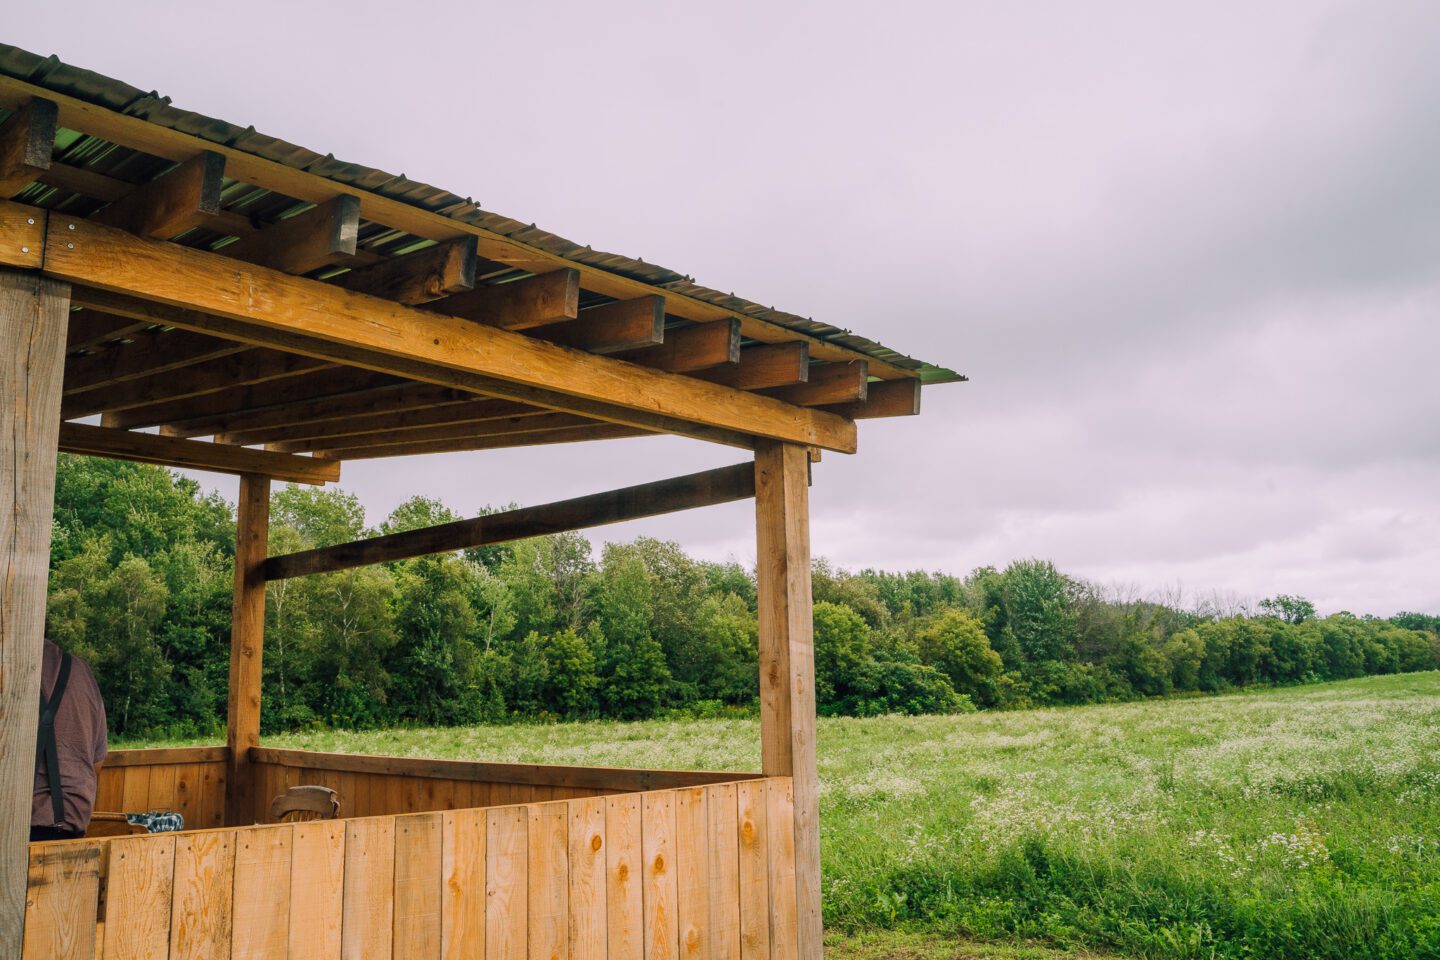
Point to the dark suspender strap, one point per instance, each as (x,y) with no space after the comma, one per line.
(46,747)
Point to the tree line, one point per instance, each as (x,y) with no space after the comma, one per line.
(141,574)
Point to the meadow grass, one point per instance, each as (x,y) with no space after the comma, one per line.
(1293,823)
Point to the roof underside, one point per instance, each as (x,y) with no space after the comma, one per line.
(645,350)
(91,155)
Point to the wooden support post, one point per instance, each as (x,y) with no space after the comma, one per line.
(247,640)
(34,312)
(787,662)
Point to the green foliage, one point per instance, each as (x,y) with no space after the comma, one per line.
(537,630)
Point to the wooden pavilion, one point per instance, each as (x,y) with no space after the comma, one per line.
(181,291)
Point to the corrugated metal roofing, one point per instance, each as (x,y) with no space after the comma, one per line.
(52,74)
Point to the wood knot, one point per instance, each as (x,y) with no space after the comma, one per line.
(596,843)
(622,872)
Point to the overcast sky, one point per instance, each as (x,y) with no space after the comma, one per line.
(1188,253)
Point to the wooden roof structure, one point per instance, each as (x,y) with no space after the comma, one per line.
(224,301)
(479,333)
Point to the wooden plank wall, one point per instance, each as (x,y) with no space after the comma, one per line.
(370,786)
(189,781)
(680,874)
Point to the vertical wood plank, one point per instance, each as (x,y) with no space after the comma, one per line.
(63,896)
(138,892)
(200,915)
(549,881)
(780,825)
(588,853)
(657,840)
(417,886)
(136,795)
(369,908)
(462,928)
(262,893)
(787,662)
(317,889)
(34,316)
(162,788)
(109,790)
(724,880)
(247,640)
(624,878)
(692,872)
(754,871)
(506,883)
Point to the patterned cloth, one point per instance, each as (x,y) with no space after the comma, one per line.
(157,822)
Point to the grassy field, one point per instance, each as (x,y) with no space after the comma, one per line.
(1302,822)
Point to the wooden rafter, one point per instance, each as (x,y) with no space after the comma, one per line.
(520,304)
(172,203)
(194,454)
(419,277)
(244,367)
(884,398)
(319,237)
(413,416)
(530,422)
(148,354)
(601,431)
(209,293)
(27,140)
(763,366)
(828,383)
(697,347)
(612,327)
(708,488)
(92,328)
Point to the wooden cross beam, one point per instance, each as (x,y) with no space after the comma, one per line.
(764,365)
(319,237)
(178,200)
(581,434)
(295,436)
(710,487)
(194,454)
(521,304)
(419,277)
(611,327)
(828,383)
(27,140)
(203,291)
(692,348)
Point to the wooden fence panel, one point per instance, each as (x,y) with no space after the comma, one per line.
(692,873)
(506,883)
(61,900)
(263,858)
(780,821)
(369,898)
(200,915)
(548,875)
(723,885)
(138,890)
(417,886)
(657,840)
(462,863)
(588,928)
(754,872)
(317,889)
(624,878)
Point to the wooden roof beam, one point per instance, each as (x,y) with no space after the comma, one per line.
(688,349)
(93,328)
(520,304)
(764,365)
(414,415)
(245,367)
(884,398)
(319,237)
(711,487)
(194,454)
(27,141)
(528,422)
(429,274)
(828,383)
(151,353)
(611,327)
(214,412)
(174,202)
(583,434)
